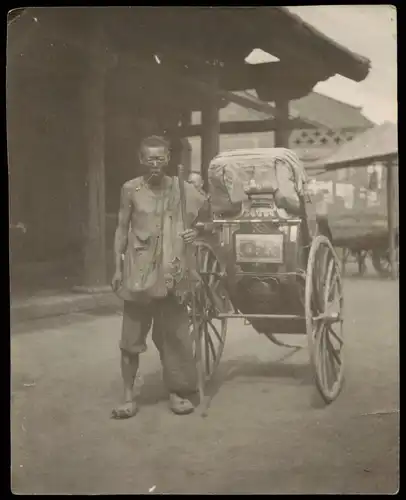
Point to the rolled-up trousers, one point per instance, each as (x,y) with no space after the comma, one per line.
(171,336)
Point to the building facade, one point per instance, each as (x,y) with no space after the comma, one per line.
(84,85)
(327,123)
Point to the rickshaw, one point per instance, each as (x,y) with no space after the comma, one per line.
(274,269)
(360,226)
(374,246)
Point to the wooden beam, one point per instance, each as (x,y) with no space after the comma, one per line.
(210,138)
(186,155)
(392,212)
(248,102)
(246,27)
(282,132)
(244,127)
(276,77)
(160,72)
(275,80)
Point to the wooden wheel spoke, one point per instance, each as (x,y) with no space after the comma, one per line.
(319,280)
(318,328)
(210,301)
(212,347)
(332,301)
(207,299)
(332,350)
(333,281)
(216,301)
(330,361)
(216,296)
(336,335)
(327,282)
(196,333)
(332,309)
(212,275)
(328,368)
(331,369)
(215,287)
(317,277)
(318,359)
(322,360)
(206,349)
(205,264)
(216,332)
(316,302)
(323,264)
(335,361)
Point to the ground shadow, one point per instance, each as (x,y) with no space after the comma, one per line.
(366,277)
(150,393)
(251,367)
(153,390)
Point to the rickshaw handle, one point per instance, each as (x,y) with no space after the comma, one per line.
(198,346)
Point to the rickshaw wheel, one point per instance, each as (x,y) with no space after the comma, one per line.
(211,298)
(324,318)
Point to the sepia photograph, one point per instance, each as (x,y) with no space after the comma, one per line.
(259,247)
(203,249)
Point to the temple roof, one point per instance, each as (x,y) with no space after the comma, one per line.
(194,39)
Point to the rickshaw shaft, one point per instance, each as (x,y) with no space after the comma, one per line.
(201,225)
(248,273)
(260,316)
(262,219)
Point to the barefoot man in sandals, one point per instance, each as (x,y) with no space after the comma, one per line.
(150,277)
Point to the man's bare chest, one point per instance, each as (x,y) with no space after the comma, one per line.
(151,207)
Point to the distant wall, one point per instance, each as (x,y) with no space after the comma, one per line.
(356,200)
(46,163)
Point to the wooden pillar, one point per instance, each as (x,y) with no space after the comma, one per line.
(282,130)
(186,121)
(210,138)
(392,216)
(95,264)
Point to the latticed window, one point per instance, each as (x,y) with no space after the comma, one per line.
(320,137)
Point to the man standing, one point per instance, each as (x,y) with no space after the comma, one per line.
(197,181)
(151,277)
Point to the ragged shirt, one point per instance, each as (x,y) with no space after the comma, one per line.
(155,247)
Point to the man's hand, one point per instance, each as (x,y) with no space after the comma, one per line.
(189,235)
(117,280)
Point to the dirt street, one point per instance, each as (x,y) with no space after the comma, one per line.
(264,432)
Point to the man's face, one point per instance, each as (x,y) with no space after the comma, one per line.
(196,180)
(155,159)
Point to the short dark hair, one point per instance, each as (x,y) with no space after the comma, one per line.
(154,141)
